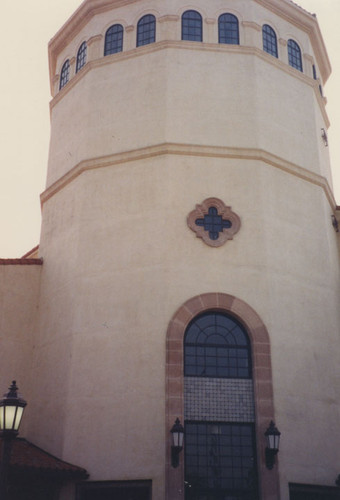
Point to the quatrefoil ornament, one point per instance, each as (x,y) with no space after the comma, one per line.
(214,222)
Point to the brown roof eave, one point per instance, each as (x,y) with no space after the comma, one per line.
(48,474)
(21,262)
(27,459)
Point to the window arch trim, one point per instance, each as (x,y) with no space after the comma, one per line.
(262,377)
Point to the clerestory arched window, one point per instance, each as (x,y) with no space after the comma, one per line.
(269,40)
(294,55)
(81,56)
(146,30)
(65,74)
(192,26)
(113,40)
(228,31)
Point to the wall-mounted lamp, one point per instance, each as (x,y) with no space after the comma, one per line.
(273,440)
(177,432)
(335,223)
(324,137)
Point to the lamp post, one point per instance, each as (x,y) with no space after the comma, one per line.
(12,408)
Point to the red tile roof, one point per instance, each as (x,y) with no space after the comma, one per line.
(27,457)
(21,262)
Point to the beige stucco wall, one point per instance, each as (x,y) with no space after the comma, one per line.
(132,261)
(19,291)
(137,140)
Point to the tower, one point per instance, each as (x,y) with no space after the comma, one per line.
(190,266)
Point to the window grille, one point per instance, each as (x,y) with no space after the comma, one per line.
(228,31)
(192,26)
(294,55)
(269,40)
(81,56)
(113,40)
(146,30)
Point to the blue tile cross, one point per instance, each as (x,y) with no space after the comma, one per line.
(213,223)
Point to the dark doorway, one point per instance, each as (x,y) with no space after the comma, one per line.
(114,490)
(313,492)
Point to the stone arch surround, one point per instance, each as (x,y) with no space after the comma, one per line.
(262,378)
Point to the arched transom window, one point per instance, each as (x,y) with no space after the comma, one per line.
(228,29)
(216,346)
(220,451)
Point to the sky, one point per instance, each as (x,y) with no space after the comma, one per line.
(26,28)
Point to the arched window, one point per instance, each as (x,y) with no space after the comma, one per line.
(113,40)
(294,55)
(181,399)
(146,30)
(216,345)
(220,451)
(65,74)
(269,40)
(81,56)
(228,29)
(314,72)
(192,26)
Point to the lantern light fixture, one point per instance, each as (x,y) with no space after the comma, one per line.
(177,432)
(273,440)
(12,408)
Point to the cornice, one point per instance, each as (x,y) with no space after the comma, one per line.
(252,24)
(283,8)
(84,13)
(168,17)
(178,44)
(305,21)
(190,150)
(94,39)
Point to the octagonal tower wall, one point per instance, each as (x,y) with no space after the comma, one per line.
(138,139)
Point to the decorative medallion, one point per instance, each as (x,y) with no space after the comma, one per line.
(214,222)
